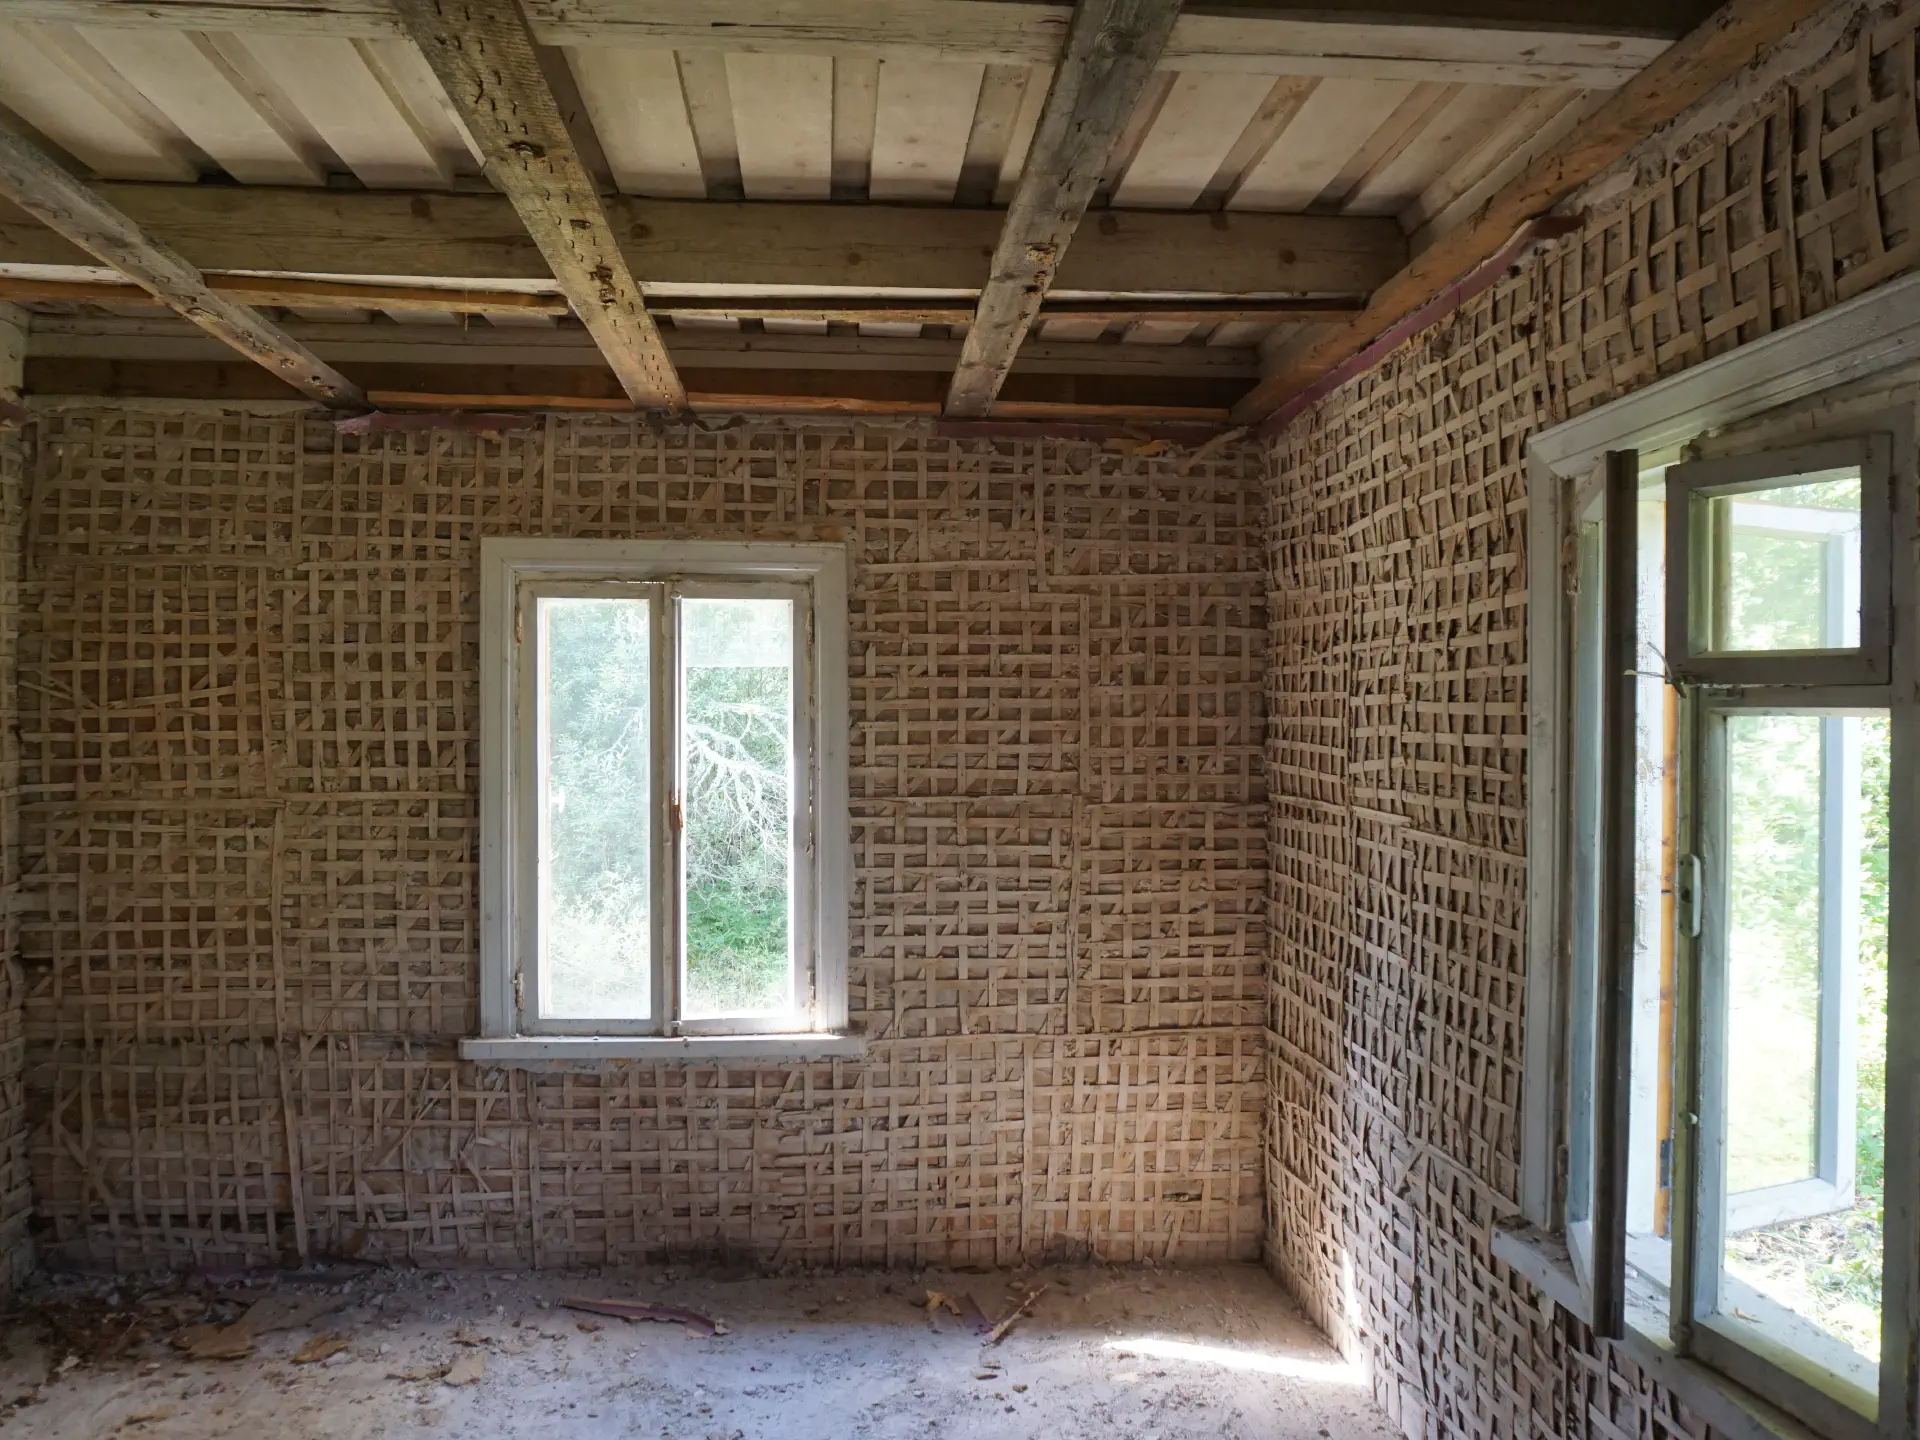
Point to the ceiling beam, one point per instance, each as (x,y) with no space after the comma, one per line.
(1729,39)
(484,57)
(431,300)
(35,182)
(1111,49)
(1593,44)
(360,343)
(404,236)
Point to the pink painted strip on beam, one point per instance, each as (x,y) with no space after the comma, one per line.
(1476,281)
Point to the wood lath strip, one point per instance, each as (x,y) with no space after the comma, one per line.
(35,182)
(1112,47)
(485,57)
(1719,48)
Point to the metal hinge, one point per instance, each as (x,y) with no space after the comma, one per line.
(1665,1181)
(519,994)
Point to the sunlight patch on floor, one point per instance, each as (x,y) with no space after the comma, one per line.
(1331,1372)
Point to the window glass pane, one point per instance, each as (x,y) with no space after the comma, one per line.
(737,741)
(1786,565)
(1806,1040)
(1773,952)
(595,937)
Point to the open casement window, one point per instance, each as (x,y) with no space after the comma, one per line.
(665,788)
(1739,815)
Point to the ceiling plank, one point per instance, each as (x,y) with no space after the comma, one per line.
(485,57)
(1595,44)
(1111,49)
(33,181)
(405,236)
(1725,43)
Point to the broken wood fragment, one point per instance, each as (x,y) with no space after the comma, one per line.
(695,1322)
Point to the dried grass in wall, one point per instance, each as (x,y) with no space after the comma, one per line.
(1396,696)
(251,679)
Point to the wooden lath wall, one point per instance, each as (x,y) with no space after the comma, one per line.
(1396,695)
(16,1256)
(250,657)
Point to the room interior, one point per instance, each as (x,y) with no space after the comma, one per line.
(960,718)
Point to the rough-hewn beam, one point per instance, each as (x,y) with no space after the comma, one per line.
(1594,44)
(485,57)
(403,236)
(1733,36)
(358,343)
(1111,49)
(425,299)
(34,181)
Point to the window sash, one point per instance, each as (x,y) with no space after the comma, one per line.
(1690,568)
(1790,1362)
(801,939)
(666,700)
(529,668)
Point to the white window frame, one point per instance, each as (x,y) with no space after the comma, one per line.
(1859,341)
(514,572)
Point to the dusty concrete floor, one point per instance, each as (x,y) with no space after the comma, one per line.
(1140,1353)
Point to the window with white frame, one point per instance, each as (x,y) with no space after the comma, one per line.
(663,788)
(1720,1091)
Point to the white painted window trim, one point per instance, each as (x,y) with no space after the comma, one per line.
(1856,341)
(507,563)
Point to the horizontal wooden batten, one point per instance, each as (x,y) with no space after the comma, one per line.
(130,337)
(699,401)
(1595,44)
(422,299)
(300,294)
(401,236)
(506,385)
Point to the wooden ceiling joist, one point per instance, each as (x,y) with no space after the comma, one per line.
(38,184)
(1112,46)
(485,58)
(1592,44)
(422,299)
(1717,49)
(401,236)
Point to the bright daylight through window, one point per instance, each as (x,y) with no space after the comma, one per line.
(669,794)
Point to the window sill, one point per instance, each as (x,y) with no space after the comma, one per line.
(587,1052)
(1732,1410)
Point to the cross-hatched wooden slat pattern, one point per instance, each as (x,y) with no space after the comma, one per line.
(1396,745)
(251,659)
(16,1198)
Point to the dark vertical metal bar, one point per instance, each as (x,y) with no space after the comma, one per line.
(1613,1027)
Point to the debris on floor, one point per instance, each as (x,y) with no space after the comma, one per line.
(695,1322)
(1013,1317)
(358,1352)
